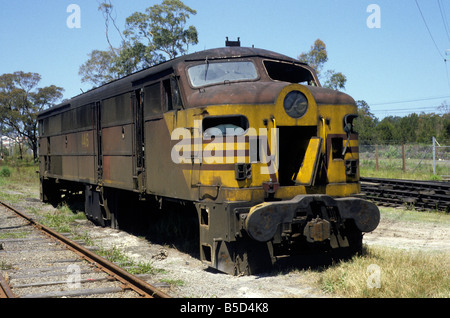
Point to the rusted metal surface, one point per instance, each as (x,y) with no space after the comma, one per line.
(317,230)
(253,93)
(5,290)
(331,97)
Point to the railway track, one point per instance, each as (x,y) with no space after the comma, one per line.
(37,262)
(421,195)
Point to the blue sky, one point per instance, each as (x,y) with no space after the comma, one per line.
(396,68)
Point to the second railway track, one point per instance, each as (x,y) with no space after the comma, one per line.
(37,262)
(421,195)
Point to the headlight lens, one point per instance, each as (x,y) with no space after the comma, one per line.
(295,104)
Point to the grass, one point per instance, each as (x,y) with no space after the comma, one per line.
(13,235)
(393,169)
(5,266)
(61,218)
(389,273)
(17,177)
(115,255)
(382,272)
(173,282)
(21,173)
(405,215)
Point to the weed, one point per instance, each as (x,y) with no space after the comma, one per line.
(5,172)
(115,255)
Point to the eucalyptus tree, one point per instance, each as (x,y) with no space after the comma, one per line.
(21,100)
(150,37)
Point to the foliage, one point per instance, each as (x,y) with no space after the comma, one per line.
(98,68)
(20,102)
(365,124)
(149,38)
(413,128)
(316,58)
(163,28)
(5,172)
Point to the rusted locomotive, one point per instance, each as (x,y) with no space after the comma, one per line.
(266,155)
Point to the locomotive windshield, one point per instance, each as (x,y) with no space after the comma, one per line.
(288,72)
(222,72)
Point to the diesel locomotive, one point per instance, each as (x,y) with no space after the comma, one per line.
(247,137)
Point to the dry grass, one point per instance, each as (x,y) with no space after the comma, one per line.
(386,272)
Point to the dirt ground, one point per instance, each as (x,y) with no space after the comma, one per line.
(185,276)
(403,234)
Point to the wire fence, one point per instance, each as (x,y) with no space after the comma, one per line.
(428,159)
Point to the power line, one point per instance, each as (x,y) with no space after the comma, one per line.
(410,100)
(405,109)
(431,109)
(443,19)
(446,72)
(429,32)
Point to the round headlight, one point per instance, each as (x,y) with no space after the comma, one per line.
(295,104)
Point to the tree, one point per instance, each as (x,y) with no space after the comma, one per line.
(335,80)
(407,128)
(385,131)
(163,28)
(149,38)
(21,101)
(98,69)
(365,123)
(316,58)
(430,125)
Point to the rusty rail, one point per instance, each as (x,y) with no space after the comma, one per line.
(5,290)
(128,280)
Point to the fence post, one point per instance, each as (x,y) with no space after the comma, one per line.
(376,156)
(434,154)
(403,157)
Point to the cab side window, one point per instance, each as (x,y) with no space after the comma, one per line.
(152,100)
(172,95)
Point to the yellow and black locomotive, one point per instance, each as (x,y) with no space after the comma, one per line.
(266,155)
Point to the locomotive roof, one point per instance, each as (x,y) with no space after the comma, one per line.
(127,83)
